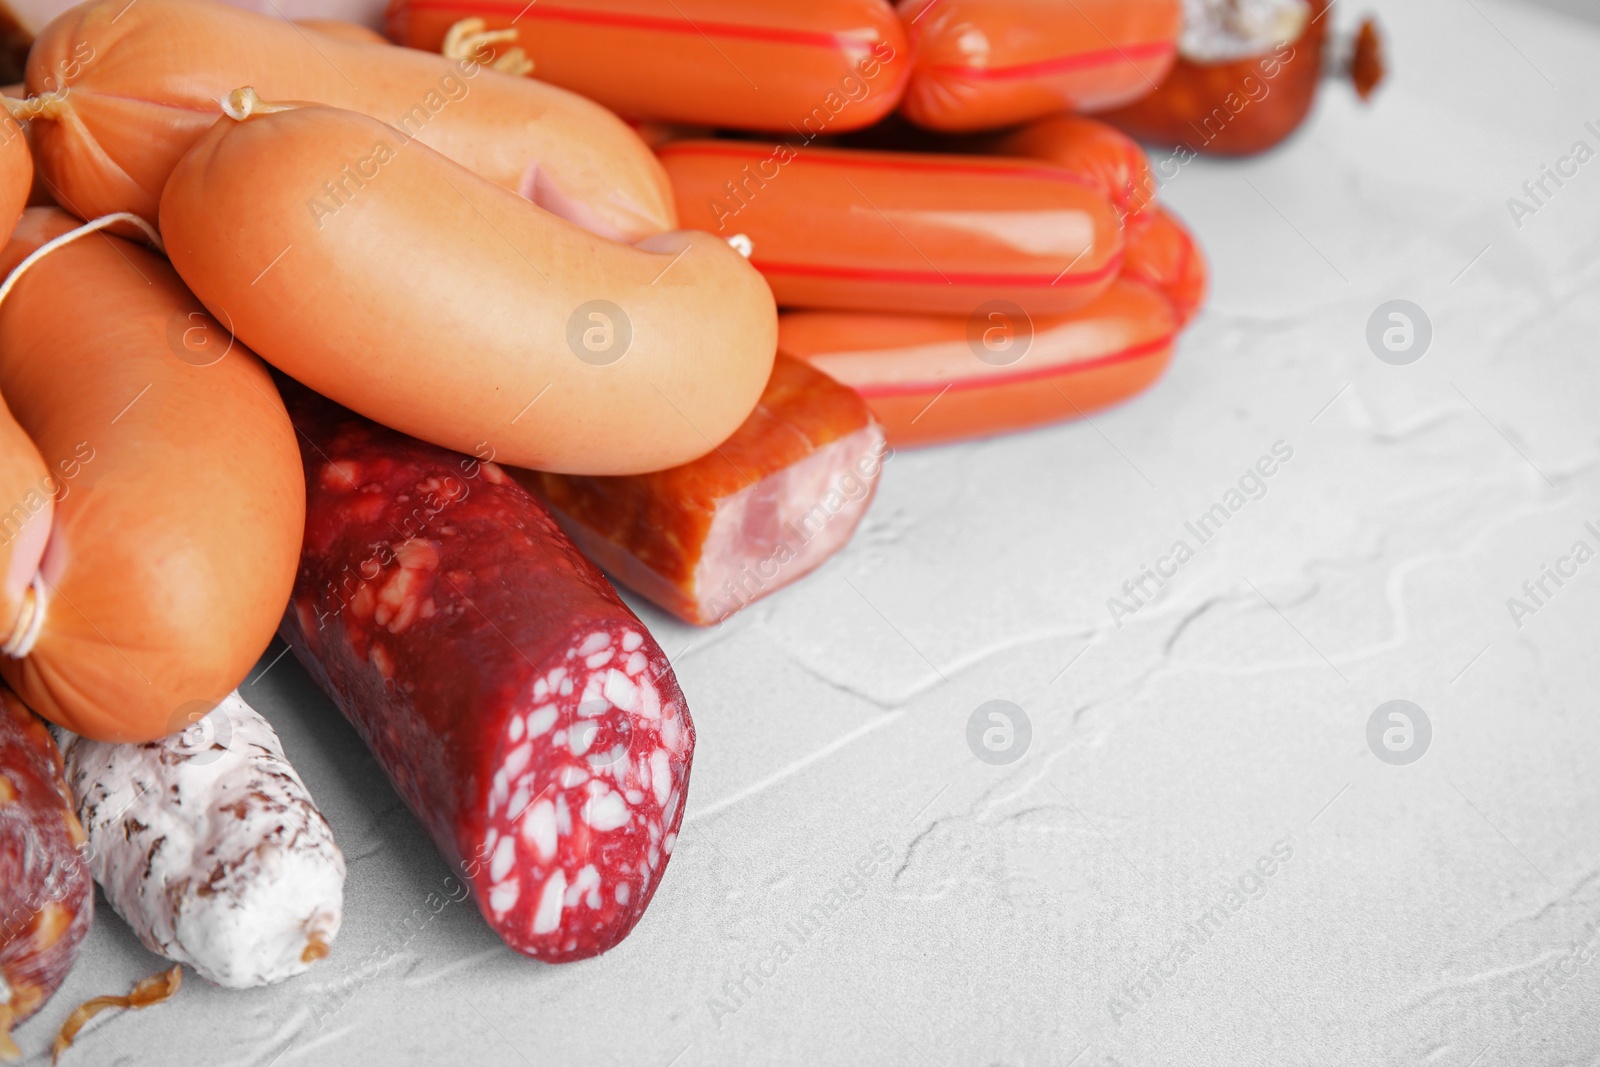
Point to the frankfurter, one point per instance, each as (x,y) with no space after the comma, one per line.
(1163,254)
(932,379)
(744,64)
(209,846)
(769,506)
(1246,77)
(1099,154)
(46,895)
(983,64)
(520,709)
(178,505)
(898,231)
(123,91)
(651,355)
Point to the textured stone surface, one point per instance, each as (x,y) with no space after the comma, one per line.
(1428,912)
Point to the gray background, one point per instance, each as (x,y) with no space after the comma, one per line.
(1583,9)
(1423,905)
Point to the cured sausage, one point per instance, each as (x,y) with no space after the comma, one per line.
(651,355)
(177,499)
(46,896)
(983,64)
(125,90)
(1164,255)
(1102,155)
(208,845)
(931,379)
(769,506)
(1243,84)
(818,65)
(900,231)
(520,709)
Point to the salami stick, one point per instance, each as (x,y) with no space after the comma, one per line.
(208,844)
(46,897)
(518,706)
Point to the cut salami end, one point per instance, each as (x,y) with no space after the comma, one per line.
(765,508)
(586,797)
(518,706)
(46,896)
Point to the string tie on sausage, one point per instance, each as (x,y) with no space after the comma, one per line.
(741,243)
(44,105)
(245,101)
(30,621)
(70,236)
(468,40)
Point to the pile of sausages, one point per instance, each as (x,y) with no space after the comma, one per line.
(381,345)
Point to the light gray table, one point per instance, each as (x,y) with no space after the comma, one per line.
(1442,912)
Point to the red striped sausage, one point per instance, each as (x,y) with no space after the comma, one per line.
(1099,154)
(1163,254)
(829,65)
(46,894)
(931,379)
(982,64)
(769,506)
(518,706)
(121,92)
(899,231)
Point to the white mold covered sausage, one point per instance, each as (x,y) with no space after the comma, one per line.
(208,844)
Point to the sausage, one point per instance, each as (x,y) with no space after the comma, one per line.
(125,90)
(900,231)
(46,895)
(28,491)
(178,502)
(345,31)
(983,64)
(520,709)
(209,846)
(1163,254)
(1237,91)
(931,379)
(38,192)
(769,506)
(651,355)
(744,64)
(1100,154)
(16,173)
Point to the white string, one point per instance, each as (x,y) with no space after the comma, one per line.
(72,235)
(25,632)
